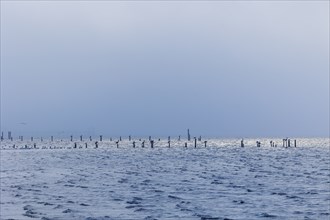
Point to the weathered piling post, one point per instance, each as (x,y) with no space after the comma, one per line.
(142,144)
(75,145)
(258,143)
(120,138)
(169,138)
(34,145)
(117,143)
(288,142)
(158,139)
(96,144)
(271,143)
(149,138)
(52,138)
(9,135)
(2,136)
(129,138)
(179,138)
(133,144)
(205,143)
(80,137)
(283,142)
(242,143)
(200,138)
(185,144)
(90,138)
(85,144)
(100,137)
(195,142)
(169,143)
(188,135)
(152,143)
(71,137)
(295,143)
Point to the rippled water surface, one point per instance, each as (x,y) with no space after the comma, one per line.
(221,181)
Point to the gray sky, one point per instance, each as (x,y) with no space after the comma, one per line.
(225,69)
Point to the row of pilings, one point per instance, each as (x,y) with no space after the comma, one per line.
(286,141)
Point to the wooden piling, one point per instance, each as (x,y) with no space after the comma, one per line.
(101,137)
(188,135)
(133,144)
(169,143)
(71,137)
(152,143)
(52,138)
(185,144)
(295,143)
(195,142)
(205,143)
(81,137)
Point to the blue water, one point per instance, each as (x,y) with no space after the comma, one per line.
(221,181)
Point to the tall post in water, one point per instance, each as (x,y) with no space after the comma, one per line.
(152,143)
(295,143)
(179,138)
(195,142)
(288,142)
(185,144)
(71,138)
(242,143)
(52,138)
(117,143)
(120,138)
(283,142)
(142,143)
(205,143)
(169,143)
(133,144)
(169,138)
(90,138)
(80,137)
(100,137)
(149,138)
(2,135)
(188,135)
(9,135)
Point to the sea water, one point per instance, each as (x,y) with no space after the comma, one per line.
(219,181)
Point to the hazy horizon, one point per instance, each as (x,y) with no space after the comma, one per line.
(140,68)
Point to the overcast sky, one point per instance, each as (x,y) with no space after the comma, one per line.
(224,69)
